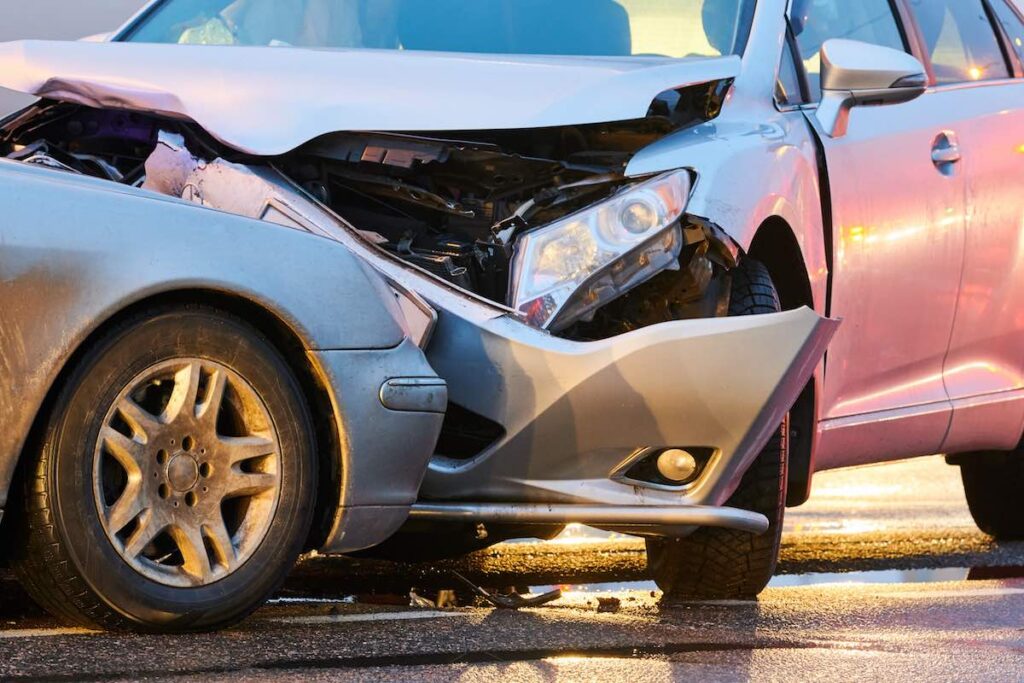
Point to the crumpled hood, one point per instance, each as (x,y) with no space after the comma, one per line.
(268,101)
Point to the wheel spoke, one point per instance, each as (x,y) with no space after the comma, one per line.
(127,508)
(223,547)
(241,484)
(150,526)
(144,425)
(189,540)
(209,409)
(185,394)
(128,452)
(238,449)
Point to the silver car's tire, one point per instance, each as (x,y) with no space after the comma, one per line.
(174,482)
(721,563)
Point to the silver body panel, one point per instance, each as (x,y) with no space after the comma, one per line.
(923,269)
(289,87)
(98,249)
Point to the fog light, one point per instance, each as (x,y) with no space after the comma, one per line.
(669,469)
(677,465)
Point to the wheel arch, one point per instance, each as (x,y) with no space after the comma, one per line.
(284,339)
(775,244)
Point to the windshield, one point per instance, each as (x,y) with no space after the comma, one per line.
(669,28)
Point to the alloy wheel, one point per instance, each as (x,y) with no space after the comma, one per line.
(187,472)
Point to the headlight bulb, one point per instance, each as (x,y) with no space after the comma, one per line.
(638,217)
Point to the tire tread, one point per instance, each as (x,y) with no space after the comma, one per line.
(722,564)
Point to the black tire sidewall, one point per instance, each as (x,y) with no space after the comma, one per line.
(78,418)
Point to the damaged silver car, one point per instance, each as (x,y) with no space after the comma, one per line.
(515,264)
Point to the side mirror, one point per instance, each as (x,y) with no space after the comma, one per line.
(856,74)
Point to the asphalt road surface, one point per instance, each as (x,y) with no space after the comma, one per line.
(883,577)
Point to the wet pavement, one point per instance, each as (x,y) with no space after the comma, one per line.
(884,577)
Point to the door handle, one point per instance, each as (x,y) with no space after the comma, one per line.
(946,150)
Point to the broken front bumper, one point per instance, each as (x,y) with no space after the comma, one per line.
(574,413)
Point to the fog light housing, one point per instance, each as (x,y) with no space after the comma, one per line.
(664,468)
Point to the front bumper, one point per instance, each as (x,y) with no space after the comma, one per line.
(388,407)
(574,412)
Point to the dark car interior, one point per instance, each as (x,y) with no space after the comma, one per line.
(541,27)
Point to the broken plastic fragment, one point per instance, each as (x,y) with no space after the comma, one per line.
(511,600)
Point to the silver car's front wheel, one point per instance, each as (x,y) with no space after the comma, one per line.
(174,480)
(186,472)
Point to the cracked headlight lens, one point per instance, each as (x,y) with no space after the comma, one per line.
(564,271)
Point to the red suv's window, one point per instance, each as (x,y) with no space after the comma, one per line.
(1012,23)
(961,40)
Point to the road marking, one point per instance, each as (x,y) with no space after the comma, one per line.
(968,593)
(46,632)
(375,616)
(312,601)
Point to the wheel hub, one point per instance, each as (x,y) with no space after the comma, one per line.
(183,472)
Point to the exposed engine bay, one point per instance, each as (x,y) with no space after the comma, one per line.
(542,220)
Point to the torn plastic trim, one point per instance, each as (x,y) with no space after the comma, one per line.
(420,315)
(725,248)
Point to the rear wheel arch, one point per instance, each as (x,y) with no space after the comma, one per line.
(283,338)
(776,246)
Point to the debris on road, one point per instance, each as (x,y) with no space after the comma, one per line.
(511,600)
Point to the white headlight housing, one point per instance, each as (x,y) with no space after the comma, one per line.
(566,270)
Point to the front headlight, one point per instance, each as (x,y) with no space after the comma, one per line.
(566,270)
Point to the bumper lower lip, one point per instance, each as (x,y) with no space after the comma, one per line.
(593,515)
